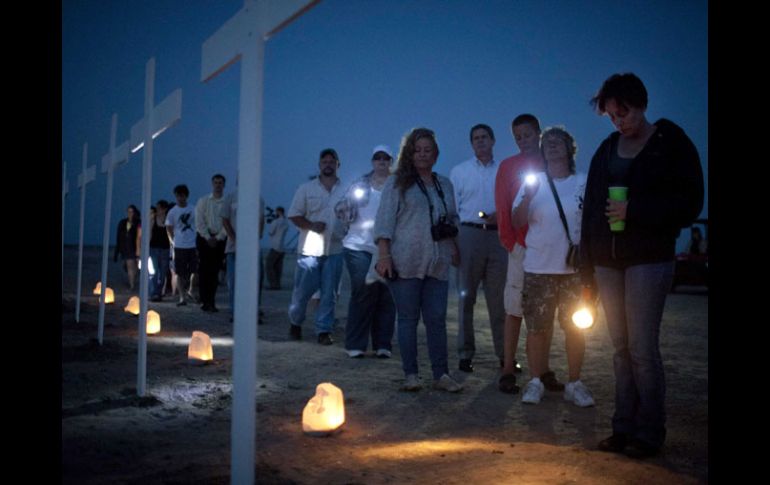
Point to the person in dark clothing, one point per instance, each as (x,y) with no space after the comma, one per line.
(633,268)
(126,244)
(159,250)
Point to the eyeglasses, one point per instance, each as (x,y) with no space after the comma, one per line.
(382,157)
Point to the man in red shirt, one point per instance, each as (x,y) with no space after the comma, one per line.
(526,133)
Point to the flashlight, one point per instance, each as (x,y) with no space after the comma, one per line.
(583,318)
(482,214)
(530,179)
(358,193)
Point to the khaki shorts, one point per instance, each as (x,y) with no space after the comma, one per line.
(514,281)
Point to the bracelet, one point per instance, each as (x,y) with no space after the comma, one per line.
(387,256)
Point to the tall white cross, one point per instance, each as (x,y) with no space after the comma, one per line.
(65,188)
(155,121)
(243,37)
(88,175)
(110,161)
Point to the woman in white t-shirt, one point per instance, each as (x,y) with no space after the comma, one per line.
(549,283)
(371,311)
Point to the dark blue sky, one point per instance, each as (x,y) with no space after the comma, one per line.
(354,74)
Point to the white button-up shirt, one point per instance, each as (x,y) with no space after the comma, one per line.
(315,203)
(474,188)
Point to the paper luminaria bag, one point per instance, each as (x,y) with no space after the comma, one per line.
(324,412)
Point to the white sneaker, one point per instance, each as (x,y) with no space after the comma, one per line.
(578,393)
(354,354)
(411,383)
(383,353)
(533,392)
(446,383)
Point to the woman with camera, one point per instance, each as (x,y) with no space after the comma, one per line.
(415,232)
(551,203)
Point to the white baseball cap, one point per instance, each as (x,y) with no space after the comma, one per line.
(383,148)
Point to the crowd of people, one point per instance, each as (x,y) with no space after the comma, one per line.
(508,225)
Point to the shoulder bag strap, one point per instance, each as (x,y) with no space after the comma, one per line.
(558,204)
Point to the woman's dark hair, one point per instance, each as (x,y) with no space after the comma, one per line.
(626,89)
(137,215)
(406,174)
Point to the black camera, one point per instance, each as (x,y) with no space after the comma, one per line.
(443,230)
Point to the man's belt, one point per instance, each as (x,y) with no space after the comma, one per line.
(486,227)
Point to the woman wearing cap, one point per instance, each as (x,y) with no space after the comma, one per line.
(416,232)
(371,310)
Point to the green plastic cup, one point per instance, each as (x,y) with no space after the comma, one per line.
(618,193)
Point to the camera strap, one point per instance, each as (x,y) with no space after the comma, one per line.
(440,192)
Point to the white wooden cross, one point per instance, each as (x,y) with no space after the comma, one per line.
(88,175)
(243,37)
(110,161)
(65,188)
(155,121)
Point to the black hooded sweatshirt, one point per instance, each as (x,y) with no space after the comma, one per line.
(665,194)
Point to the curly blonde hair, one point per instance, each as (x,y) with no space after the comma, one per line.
(569,142)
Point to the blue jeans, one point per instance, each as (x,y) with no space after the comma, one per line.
(313,273)
(429,297)
(230,265)
(371,309)
(633,301)
(160,261)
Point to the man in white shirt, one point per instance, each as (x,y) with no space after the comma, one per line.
(180,226)
(274,263)
(210,241)
(319,251)
(482,258)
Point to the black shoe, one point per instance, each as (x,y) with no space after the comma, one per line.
(295,332)
(325,338)
(213,309)
(205,308)
(549,381)
(614,444)
(466,365)
(156,298)
(181,303)
(639,449)
(507,384)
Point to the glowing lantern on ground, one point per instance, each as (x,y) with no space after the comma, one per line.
(98,288)
(109,295)
(133,305)
(153,322)
(324,413)
(200,351)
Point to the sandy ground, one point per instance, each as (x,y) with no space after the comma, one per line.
(179,433)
